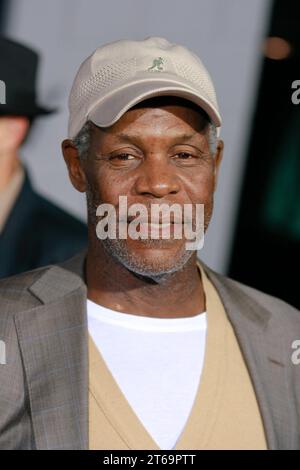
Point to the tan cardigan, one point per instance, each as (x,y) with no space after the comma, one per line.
(225,413)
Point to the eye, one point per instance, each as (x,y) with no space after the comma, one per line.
(123,160)
(185,155)
(122,156)
(186,158)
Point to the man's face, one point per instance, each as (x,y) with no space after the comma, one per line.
(154,154)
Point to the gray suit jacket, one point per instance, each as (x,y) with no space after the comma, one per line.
(44,383)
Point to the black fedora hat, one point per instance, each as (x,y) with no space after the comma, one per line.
(18,72)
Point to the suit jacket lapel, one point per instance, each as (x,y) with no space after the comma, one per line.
(54,347)
(265,355)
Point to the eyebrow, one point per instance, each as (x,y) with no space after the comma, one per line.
(181,137)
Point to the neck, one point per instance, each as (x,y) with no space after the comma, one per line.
(114,286)
(9,163)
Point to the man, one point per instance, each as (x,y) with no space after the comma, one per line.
(33,231)
(137,344)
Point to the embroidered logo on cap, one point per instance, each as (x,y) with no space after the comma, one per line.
(157,65)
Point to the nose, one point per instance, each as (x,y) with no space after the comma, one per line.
(157,178)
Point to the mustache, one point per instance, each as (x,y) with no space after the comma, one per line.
(182,213)
(159,220)
(160,217)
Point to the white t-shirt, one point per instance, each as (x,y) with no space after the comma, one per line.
(157,363)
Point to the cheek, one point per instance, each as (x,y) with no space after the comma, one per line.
(107,186)
(204,194)
(201,187)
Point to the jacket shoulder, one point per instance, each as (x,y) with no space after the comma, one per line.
(15,294)
(279,309)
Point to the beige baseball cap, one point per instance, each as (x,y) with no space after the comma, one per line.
(123,73)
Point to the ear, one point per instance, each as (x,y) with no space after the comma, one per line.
(217,161)
(76,172)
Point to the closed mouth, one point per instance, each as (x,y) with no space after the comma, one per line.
(160,223)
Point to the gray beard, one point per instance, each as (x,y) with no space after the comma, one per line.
(156,270)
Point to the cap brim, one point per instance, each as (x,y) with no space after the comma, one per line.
(107,111)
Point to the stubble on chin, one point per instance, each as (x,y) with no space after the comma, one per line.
(155,268)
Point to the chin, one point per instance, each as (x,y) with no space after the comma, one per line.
(155,259)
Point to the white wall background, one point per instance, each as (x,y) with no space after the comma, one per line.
(227,36)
